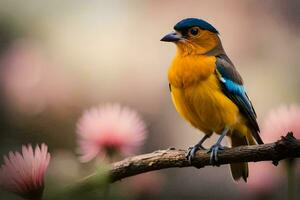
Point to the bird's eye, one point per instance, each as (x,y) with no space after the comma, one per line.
(194,31)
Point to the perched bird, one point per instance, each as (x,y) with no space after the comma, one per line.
(208,91)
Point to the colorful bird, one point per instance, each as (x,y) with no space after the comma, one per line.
(208,91)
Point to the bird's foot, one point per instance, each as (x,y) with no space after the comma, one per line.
(214,153)
(192,152)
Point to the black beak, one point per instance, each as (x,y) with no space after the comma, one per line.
(171,37)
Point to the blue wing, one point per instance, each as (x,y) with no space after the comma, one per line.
(233,88)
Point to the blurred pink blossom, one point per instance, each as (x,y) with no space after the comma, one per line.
(108,129)
(280,121)
(23,174)
(31,82)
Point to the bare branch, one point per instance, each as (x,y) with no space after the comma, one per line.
(287,147)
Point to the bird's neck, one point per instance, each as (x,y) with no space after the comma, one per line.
(210,46)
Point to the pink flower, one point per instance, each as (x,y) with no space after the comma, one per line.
(109,129)
(280,121)
(23,174)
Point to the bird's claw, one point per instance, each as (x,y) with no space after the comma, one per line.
(192,152)
(214,153)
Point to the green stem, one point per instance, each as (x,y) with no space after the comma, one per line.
(290,167)
(85,186)
(106,191)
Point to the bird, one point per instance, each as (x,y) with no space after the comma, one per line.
(208,91)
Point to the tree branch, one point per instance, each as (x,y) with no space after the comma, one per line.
(287,147)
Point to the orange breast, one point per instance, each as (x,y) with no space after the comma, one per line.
(188,70)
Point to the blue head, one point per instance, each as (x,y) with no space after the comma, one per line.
(188,23)
(194,36)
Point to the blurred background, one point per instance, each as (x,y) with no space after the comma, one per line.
(58,58)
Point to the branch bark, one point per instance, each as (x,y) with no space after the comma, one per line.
(287,147)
